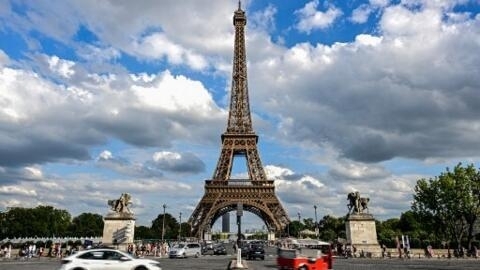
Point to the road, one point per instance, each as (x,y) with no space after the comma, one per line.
(211,262)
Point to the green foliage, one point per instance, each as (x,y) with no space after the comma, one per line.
(171,226)
(309,223)
(38,221)
(332,228)
(388,231)
(294,228)
(87,224)
(144,232)
(449,205)
(186,229)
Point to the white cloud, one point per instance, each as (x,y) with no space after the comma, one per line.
(60,66)
(348,170)
(379,3)
(368,40)
(401,94)
(178,162)
(310,18)
(165,156)
(33,173)
(361,14)
(95,107)
(4,59)
(264,19)
(157,45)
(125,167)
(176,93)
(105,155)
(16,190)
(400,21)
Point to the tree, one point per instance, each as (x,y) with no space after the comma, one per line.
(171,226)
(450,203)
(144,232)
(332,228)
(186,229)
(294,228)
(309,223)
(87,224)
(38,221)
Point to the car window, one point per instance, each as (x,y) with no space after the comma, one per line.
(93,255)
(112,255)
(193,246)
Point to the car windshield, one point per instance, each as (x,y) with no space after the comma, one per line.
(179,246)
(256,247)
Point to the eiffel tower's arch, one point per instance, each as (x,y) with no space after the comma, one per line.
(254,208)
(257,193)
(256,199)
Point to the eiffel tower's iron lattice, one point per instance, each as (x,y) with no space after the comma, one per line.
(222,194)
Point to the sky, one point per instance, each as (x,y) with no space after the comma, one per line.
(98,98)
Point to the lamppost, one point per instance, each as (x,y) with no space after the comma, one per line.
(163,222)
(180,230)
(316,222)
(239,223)
(298,217)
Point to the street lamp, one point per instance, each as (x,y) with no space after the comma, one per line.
(163,222)
(298,217)
(316,222)
(180,230)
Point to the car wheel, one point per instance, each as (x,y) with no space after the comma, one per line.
(303,267)
(263,258)
(197,255)
(141,268)
(78,268)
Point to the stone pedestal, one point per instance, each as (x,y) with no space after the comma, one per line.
(118,230)
(362,233)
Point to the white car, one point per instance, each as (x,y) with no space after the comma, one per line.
(185,250)
(106,259)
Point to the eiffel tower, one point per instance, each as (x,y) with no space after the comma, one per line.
(222,194)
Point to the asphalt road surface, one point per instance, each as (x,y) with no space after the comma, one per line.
(220,262)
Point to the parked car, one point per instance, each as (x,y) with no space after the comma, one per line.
(219,249)
(185,250)
(255,251)
(93,259)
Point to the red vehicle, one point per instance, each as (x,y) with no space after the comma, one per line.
(304,259)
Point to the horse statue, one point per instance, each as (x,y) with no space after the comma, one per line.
(121,205)
(364,203)
(353,199)
(356,203)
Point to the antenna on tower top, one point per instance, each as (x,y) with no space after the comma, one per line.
(239,5)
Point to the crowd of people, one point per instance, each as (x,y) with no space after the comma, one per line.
(157,249)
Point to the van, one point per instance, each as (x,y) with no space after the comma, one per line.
(184,250)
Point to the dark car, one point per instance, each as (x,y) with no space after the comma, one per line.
(255,251)
(219,250)
(245,248)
